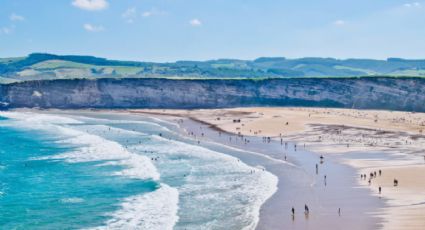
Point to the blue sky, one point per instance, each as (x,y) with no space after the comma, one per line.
(169,30)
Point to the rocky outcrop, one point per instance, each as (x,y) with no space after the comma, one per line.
(364,93)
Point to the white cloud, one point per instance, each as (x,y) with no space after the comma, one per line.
(147,14)
(16,17)
(152,12)
(93,28)
(130,15)
(339,22)
(6,30)
(195,22)
(90,4)
(413,5)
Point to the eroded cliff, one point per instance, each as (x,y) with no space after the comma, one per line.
(364,93)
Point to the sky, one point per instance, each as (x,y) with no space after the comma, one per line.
(170,30)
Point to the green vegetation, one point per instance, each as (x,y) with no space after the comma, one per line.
(48,66)
(56,64)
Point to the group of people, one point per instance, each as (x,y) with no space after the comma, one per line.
(373,175)
(306,211)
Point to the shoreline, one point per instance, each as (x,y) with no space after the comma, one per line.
(275,212)
(389,141)
(118,218)
(352,143)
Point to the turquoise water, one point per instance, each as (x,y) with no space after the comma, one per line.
(60,171)
(55,194)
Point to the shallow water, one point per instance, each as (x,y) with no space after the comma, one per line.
(73,171)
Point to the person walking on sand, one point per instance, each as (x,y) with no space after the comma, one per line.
(317,169)
(306,210)
(379,189)
(339,211)
(293,212)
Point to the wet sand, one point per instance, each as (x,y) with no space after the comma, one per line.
(299,185)
(353,142)
(298,182)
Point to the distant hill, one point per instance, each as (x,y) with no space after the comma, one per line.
(39,66)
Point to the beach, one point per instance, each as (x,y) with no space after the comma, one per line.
(352,142)
(245,168)
(127,171)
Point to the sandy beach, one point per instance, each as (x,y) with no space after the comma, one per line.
(356,142)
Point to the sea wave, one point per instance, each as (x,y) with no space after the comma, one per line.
(215,180)
(72,200)
(218,180)
(154,210)
(217,191)
(88,147)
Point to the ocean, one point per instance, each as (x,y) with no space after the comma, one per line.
(78,171)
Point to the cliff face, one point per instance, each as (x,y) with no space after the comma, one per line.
(365,93)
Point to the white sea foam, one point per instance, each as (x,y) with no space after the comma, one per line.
(38,118)
(153,210)
(218,183)
(156,210)
(89,147)
(140,122)
(72,200)
(215,181)
(219,190)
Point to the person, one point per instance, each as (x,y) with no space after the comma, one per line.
(293,212)
(380,172)
(306,210)
(339,211)
(317,169)
(379,189)
(325,180)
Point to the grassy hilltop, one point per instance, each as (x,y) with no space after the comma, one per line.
(40,66)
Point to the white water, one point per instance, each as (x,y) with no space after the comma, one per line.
(155,210)
(90,147)
(204,189)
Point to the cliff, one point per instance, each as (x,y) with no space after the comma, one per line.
(364,93)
